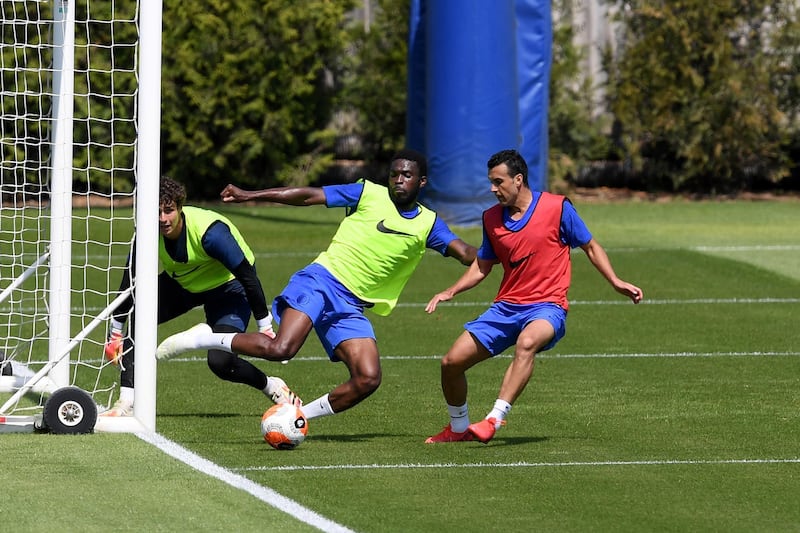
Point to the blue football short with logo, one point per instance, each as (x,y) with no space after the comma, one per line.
(498,328)
(337,314)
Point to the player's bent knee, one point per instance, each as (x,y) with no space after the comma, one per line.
(452,364)
(529,347)
(220,363)
(366,384)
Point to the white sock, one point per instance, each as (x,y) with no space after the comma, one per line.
(271,383)
(214,341)
(499,411)
(126,395)
(459,418)
(319,407)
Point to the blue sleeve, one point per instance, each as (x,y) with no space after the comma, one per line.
(219,243)
(440,236)
(574,232)
(346,195)
(486,251)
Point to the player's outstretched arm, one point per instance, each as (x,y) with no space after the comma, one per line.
(597,255)
(462,251)
(299,196)
(476,273)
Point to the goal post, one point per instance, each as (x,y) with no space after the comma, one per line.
(149,161)
(63,87)
(80,146)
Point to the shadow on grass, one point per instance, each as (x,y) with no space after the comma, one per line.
(514,441)
(361,437)
(503,441)
(201,415)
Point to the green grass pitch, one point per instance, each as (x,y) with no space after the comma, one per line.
(680,414)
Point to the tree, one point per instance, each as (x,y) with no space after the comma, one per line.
(375,86)
(245,84)
(694,91)
(575,134)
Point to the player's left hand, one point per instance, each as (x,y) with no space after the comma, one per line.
(440,297)
(265,326)
(631,291)
(113,348)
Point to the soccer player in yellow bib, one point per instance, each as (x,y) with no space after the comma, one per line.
(206,263)
(366,266)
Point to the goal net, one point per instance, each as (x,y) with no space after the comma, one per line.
(74,172)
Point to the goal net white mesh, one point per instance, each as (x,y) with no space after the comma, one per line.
(68,137)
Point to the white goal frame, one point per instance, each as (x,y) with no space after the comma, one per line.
(61,340)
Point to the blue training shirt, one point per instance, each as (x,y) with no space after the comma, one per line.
(573,230)
(219,243)
(349,195)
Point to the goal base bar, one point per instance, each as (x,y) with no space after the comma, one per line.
(31,424)
(20,423)
(118,424)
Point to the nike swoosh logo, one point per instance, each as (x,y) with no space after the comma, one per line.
(383,229)
(518,262)
(175,275)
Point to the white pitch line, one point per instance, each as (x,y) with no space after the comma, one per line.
(706,248)
(522,464)
(621,249)
(665,355)
(669,301)
(618,301)
(265,494)
(762,248)
(697,248)
(654,355)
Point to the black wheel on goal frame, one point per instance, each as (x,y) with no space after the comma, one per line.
(70,410)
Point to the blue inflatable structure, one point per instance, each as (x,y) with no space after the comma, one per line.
(478,76)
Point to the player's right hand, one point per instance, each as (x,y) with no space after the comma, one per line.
(113,347)
(232,193)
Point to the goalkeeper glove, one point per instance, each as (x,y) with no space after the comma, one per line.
(265,326)
(113,348)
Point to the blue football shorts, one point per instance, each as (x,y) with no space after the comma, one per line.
(225,305)
(337,314)
(498,327)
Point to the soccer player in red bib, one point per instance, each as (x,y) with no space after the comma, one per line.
(530,234)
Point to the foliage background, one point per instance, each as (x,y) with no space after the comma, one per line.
(247,89)
(706,93)
(700,97)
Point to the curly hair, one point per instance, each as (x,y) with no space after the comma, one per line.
(413,155)
(170,191)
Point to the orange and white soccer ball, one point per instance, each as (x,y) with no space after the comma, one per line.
(284,427)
